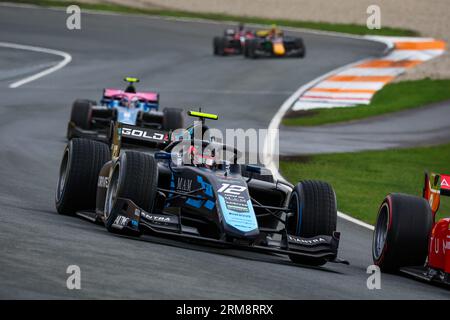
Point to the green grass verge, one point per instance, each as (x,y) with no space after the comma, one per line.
(345,28)
(362,180)
(393,97)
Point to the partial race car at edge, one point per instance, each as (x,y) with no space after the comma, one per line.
(407,237)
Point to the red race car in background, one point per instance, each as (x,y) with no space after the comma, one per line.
(232,42)
(407,237)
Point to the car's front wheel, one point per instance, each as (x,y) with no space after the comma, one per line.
(134,177)
(313,212)
(299,45)
(251,49)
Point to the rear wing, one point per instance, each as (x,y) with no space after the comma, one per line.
(435,185)
(132,135)
(149,96)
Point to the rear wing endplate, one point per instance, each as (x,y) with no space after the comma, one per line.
(435,185)
(127,134)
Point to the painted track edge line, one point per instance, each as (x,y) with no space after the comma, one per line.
(355,221)
(67,58)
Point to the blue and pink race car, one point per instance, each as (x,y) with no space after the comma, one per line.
(91,120)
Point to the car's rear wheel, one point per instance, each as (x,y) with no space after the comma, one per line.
(245,48)
(220,44)
(173,118)
(401,232)
(81,115)
(314,212)
(78,175)
(299,45)
(134,177)
(216,45)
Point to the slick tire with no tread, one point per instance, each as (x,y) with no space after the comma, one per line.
(173,118)
(79,170)
(134,177)
(315,213)
(401,232)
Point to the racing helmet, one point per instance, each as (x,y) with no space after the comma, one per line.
(129,103)
(125,102)
(230,32)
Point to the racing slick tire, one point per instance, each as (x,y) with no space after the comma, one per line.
(134,177)
(300,45)
(219,44)
(245,49)
(173,118)
(78,175)
(251,49)
(314,208)
(81,115)
(401,232)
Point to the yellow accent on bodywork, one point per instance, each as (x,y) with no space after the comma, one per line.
(203,115)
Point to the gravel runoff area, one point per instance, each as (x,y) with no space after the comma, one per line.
(431,17)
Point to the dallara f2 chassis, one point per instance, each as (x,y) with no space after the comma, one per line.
(209,199)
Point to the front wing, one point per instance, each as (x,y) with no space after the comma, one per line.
(130,216)
(427,274)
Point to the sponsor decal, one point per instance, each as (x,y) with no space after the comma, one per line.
(436,244)
(238,212)
(302,241)
(121,222)
(103,182)
(155,218)
(184,184)
(137,212)
(445,183)
(235,197)
(143,134)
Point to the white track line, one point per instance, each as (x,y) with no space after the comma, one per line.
(66,59)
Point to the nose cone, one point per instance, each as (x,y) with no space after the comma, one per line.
(278,49)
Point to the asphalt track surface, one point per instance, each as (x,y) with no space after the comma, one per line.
(37,244)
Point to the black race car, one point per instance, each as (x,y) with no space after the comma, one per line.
(232,42)
(194,194)
(91,120)
(273,43)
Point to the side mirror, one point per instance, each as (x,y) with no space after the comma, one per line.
(163,155)
(253,169)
